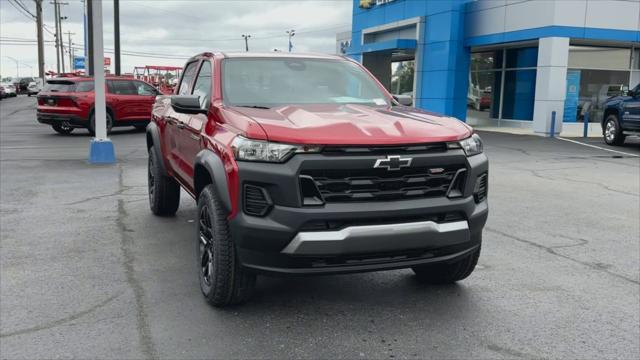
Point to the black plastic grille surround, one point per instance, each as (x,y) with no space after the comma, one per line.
(354,185)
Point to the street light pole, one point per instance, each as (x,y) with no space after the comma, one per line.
(291,34)
(17,65)
(246,41)
(30,67)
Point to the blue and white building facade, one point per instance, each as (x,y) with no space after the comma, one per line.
(502,62)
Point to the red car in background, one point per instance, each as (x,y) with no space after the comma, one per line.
(68,103)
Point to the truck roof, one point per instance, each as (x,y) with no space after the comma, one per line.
(278,54)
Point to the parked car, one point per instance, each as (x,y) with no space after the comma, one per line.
(621,117)
(478,99)
(34,87)
(9,90)
(303,165)
(67,103)
(405,100)
(2,93)
(21,84)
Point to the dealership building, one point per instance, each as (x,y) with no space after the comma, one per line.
(501,62)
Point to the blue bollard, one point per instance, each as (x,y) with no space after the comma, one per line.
(585,130)
(553,124)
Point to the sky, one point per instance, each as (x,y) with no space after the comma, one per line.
(165,32)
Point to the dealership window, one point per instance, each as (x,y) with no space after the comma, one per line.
(502,84)
(635,68)
(596,73)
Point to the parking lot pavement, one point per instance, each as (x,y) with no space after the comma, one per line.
(631,145)
(87,271)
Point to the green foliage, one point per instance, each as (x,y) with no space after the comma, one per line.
(403,76)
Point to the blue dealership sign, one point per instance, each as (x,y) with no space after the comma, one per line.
(78,62)
(572,96)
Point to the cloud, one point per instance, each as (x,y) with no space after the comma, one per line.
(181,28)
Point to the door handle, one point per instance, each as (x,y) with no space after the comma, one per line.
(180,125)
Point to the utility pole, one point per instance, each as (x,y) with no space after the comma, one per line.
(40,39)
(60,32)
(90,70)
(246,41)
(57,19)
(291,34)
(69,33)
(116,35)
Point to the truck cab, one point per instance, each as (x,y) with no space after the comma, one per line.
(621,117)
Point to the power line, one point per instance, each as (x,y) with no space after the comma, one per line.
(27,14)
(21,10)
(24,7)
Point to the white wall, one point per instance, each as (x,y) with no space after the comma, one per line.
(551,84)
(486,17)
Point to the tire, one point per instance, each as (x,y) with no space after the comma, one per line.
(164,191)
(62,128)
(223,280)
(611,132)
(448,273)
(92,124)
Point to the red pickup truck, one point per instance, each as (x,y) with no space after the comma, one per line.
(67,103)
(305,165)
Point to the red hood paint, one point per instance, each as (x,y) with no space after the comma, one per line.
(352,124)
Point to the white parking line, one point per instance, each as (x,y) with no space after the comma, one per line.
(598,147)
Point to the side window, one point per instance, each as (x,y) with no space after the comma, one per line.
(122,87)
(202,88)
(84,86)
(187,78)
(144,89)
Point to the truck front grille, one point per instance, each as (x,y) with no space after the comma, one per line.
(379,185)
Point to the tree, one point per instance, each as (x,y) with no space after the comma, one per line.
(403,77)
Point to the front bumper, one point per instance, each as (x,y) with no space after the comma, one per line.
(371,236)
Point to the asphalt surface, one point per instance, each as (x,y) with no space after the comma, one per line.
(87,271)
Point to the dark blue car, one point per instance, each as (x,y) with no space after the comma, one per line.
(621,117)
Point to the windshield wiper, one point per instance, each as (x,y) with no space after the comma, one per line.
(254,106)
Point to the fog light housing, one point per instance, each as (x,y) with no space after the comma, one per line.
(256,200)
(481,188)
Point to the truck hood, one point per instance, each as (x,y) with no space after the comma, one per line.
(352,124)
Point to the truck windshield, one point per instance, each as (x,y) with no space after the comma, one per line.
(270,82)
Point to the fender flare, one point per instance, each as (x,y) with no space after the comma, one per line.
(153,139)
(214,165)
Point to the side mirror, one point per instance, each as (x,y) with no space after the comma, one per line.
(187,104)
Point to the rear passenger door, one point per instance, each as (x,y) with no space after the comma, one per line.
(146,96)
(190,143)
(175,122)
(123,97)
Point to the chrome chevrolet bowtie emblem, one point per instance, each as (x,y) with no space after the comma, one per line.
(392,163)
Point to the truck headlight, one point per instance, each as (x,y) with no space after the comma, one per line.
(257,150)
(471,145)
